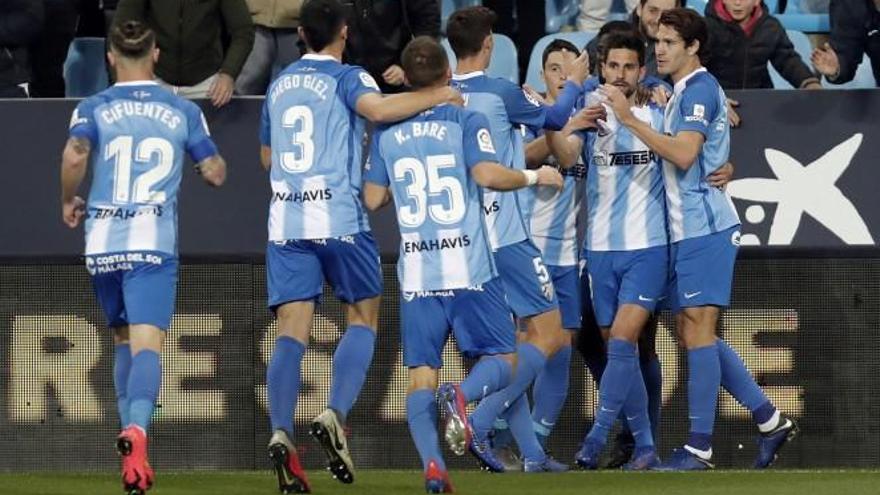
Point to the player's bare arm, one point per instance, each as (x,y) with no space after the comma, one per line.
(213,170)
(74,162)
(375,196)
(681,149)
(537,152)
(379,108)
(500,178)
(566,145)
(266,157)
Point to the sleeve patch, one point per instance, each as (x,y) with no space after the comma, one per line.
(484,141)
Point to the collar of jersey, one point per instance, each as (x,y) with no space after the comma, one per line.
(679,86)
(137,83)
(469,75)
(318,57)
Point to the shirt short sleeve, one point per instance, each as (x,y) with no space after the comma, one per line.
(199,144)
(521,107)
(357,82)
(82,122)
(375,170)
(698,108)
(477,140)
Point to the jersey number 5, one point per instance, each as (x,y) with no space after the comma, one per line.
(425,182)
(120,150)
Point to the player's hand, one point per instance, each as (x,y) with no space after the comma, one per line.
(450,95)
(221,89)
(393,75)
(615,99)
(549,176)
(578,70)
(660,96)
(825,60)
(534,94)
(732,116)
(72,211)
(722,176)
(814,85)
(588,118)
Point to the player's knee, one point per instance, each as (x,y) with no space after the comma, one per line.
(365,313)
(120,335)
(423,377)
(145,338)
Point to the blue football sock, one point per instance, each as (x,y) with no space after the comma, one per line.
(421,415)
(352,358)
(501,436)
(490,374)
(144,380)
(653,377)
(282,382)
(520,421)
(736,379)
(550,392)
(636,409)
(614,387)
(121,369)
(530,362)
(704,379)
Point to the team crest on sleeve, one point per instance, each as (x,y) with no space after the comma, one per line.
(368,81)
(531,99)
(698,114)
(75,119)
(484,141)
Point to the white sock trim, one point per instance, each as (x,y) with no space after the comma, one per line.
(771,424)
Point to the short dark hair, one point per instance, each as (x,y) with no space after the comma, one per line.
(690,26)
(321,21)
(424,62)
(467,28)
(627,40)
(132,39)
(678,3)
(558,45)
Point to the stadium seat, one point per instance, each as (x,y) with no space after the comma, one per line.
(560,13)
(447,7)
(798,20)
(533,75)
(504,62)
(803,47)
(84,72)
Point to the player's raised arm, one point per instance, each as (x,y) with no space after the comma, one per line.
(377,107)
(681,149)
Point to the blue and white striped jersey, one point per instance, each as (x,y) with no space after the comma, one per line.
(426,162)
(309,121)
(695,208)
(139,133)
(505,105)
(554,215)
(625,199)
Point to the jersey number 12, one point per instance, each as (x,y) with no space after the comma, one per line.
(141,191)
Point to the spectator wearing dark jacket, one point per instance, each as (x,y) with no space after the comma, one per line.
(743,37)
(855,32)
(20,24)
(379,31)
(49,50)
(192,61)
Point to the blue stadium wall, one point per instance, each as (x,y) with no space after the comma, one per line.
(805,312)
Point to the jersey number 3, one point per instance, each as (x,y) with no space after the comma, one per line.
(120,150)
(300,119)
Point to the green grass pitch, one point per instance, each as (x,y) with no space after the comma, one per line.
(467,482)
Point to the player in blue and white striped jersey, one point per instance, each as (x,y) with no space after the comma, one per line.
(134,135)
(434,165)
(311,134)
(704,228)
(526,279)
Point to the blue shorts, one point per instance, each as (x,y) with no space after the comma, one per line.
(704,270)
(296,269)
(567,284)
(136,288)
(640,276)
(478,317)
(527,282)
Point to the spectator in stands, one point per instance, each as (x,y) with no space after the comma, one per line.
(49,50)
(20,24)
(743,37)
(855,32)
(379,31)
(524,34)
(645,18)
(275,43)
(813,6)
(192,61)
(594,13)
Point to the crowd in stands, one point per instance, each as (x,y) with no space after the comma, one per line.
(217,48)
